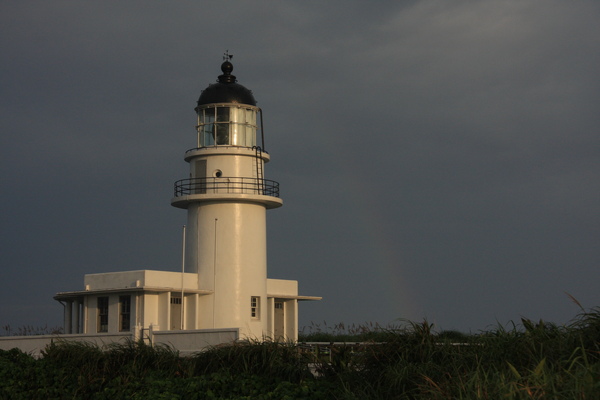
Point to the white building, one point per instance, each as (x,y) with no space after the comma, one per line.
(223,284)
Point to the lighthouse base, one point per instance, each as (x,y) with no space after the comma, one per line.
(137,302)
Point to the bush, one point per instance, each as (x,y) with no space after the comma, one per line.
(532,360)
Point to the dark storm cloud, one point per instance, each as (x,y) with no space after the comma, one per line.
(436,159)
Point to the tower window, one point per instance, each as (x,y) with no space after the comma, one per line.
(124,313)
(102,323)
(255,307)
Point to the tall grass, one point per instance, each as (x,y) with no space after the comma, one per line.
(529,361)
(367,332)
(526,360)
(274,359)
(30,330)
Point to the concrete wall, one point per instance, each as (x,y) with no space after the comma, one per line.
(192,341)
(282,287)
(35,344)
(186,342)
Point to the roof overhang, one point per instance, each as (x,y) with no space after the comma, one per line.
(142,289)
(292,297)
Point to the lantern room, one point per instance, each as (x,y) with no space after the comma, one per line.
(227,125)
(227,113)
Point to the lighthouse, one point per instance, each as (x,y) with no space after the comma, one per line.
(222,292)
(226,198)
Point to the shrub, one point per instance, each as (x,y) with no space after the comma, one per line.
(531,360)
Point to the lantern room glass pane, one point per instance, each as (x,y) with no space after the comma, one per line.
(250,128)
(222,114)
(221,132)
(207,136)
(251,117)
(234,117)
(207,119)
(235,136)
(247,132)
(222,126)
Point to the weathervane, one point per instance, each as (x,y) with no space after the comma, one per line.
(227,56)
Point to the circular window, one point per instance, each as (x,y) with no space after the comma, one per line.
(218,173)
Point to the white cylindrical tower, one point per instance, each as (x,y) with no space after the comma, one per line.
(226,197)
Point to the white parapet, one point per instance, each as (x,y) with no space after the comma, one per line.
(140,278)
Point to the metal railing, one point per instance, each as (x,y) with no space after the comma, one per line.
(222,146)
(225,185)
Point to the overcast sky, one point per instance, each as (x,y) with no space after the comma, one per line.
(437,159)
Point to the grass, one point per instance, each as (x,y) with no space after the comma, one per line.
(367,332)
(527,360)
(532,360)
(29,330)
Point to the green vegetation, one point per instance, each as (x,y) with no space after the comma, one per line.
(528,361)
(29,330)
(367,332)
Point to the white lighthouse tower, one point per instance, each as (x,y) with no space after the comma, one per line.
(226,198)
(223,292)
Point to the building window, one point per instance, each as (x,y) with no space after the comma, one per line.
(102,325)
(175,300)
(255,307)
(124,313)
(279,305)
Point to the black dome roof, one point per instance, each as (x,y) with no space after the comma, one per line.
(226,90)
